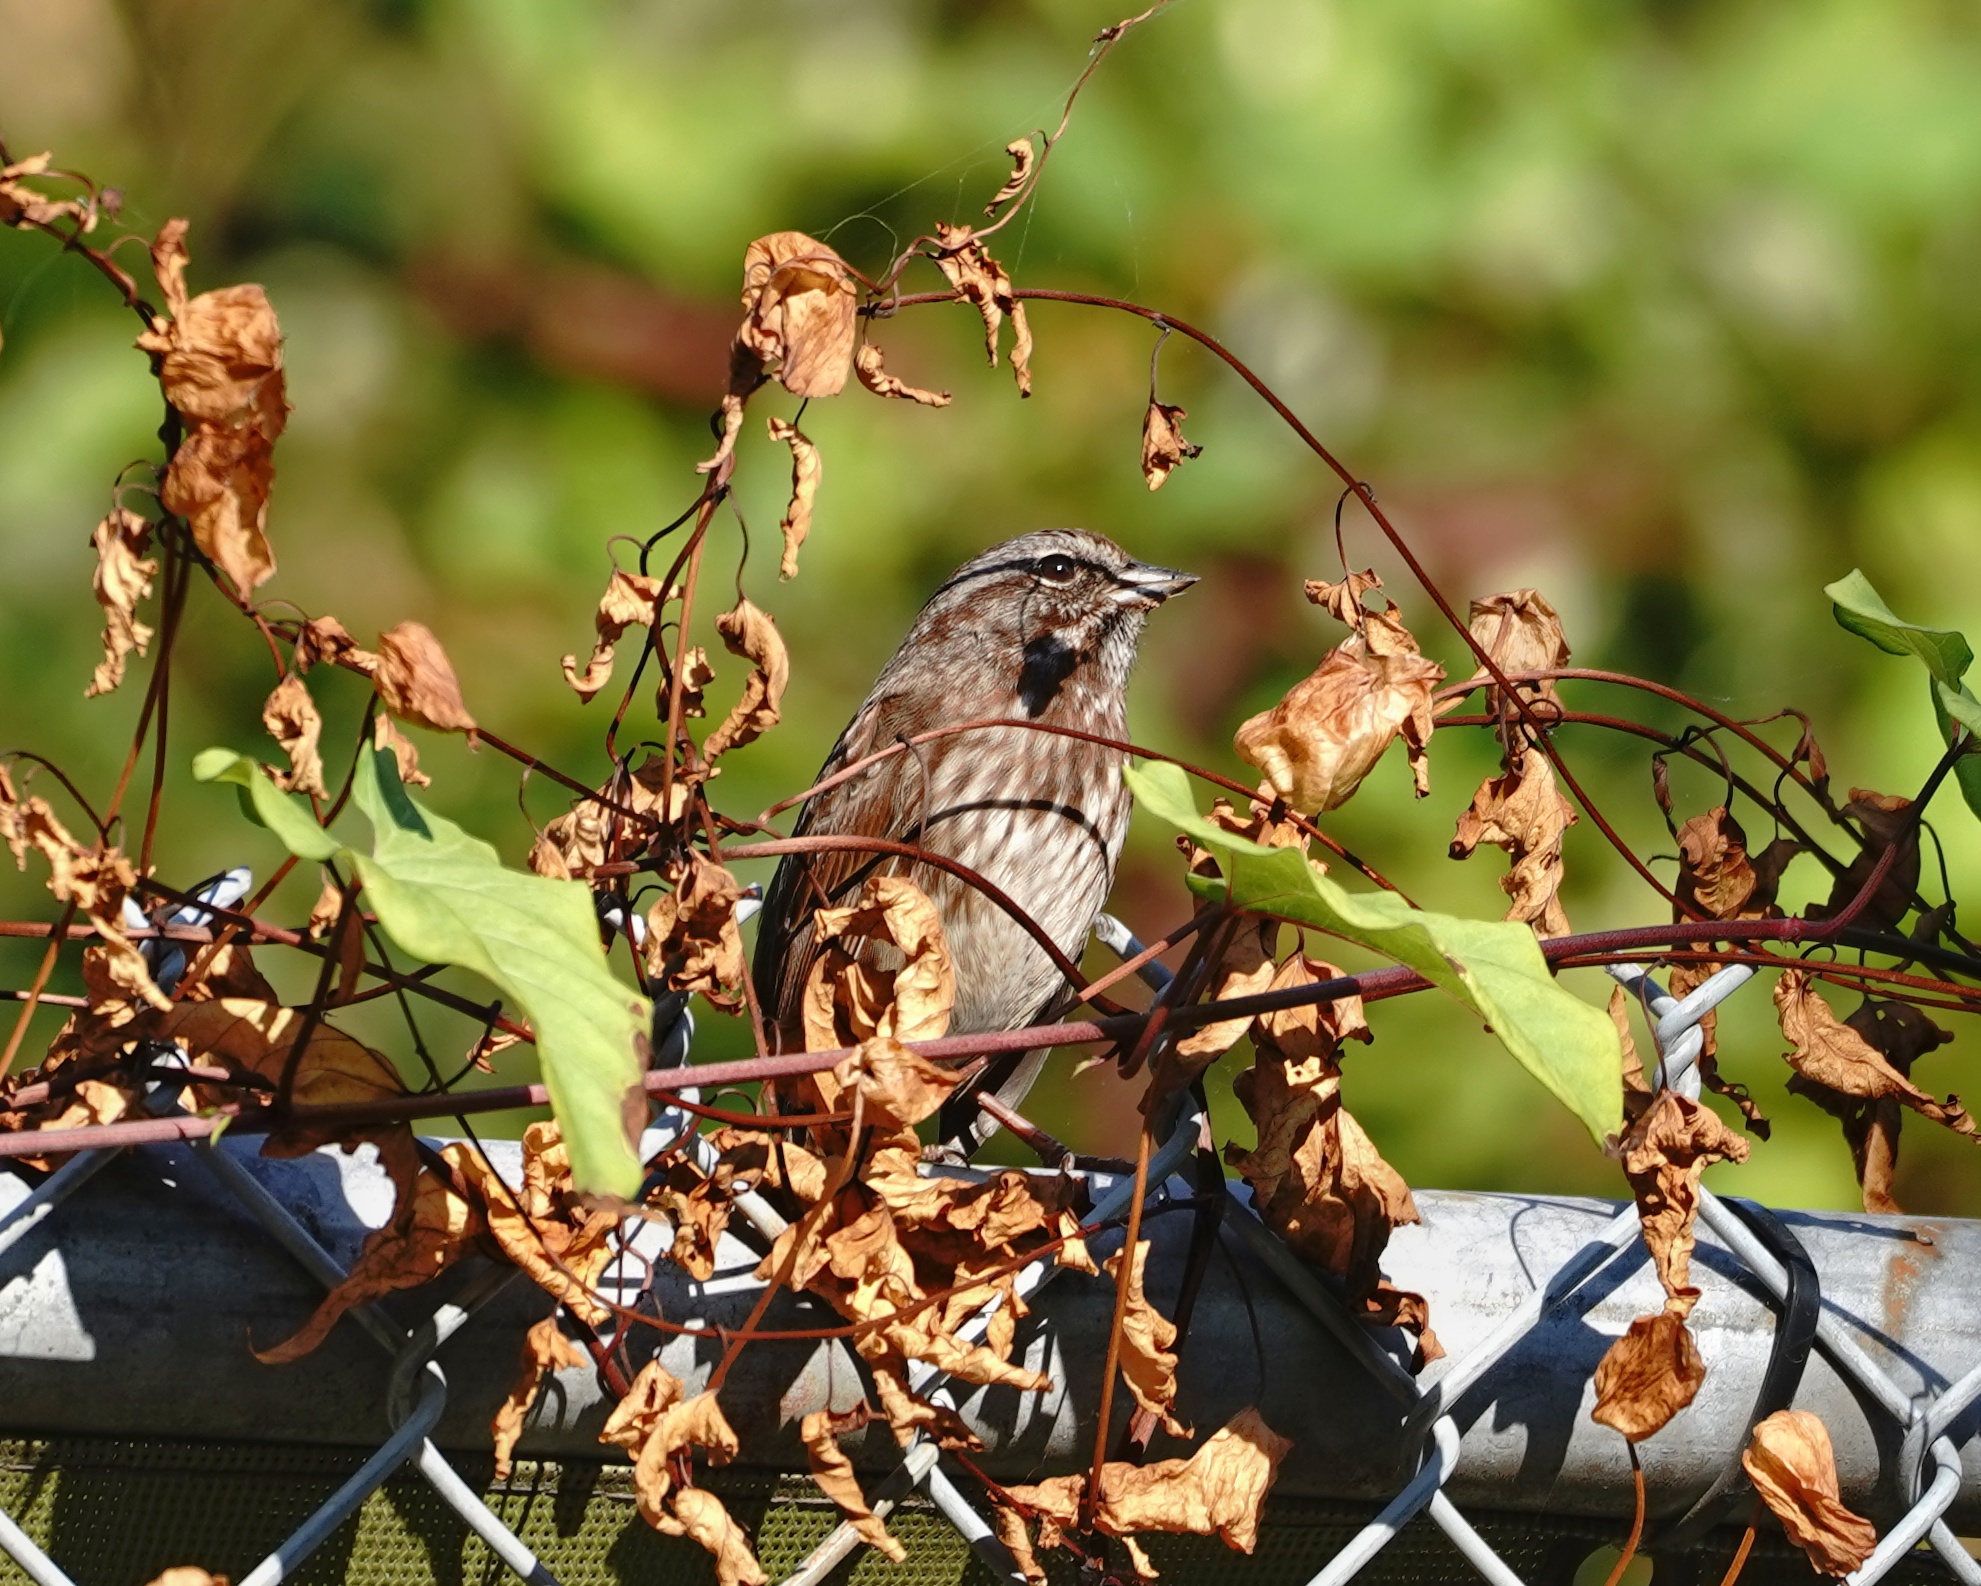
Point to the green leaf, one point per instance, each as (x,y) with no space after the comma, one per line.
(262,802)
(445,898)
(1861,610)
(1493,967)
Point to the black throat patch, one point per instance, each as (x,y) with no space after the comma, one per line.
(1049,662)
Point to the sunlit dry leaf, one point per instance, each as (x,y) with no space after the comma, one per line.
(1829,1053)
(1164,449)
(1794,1469)
(290,716)
(984,282)
(1218,1491)
(806,471)
(696,675)
(693,941)
(1665,1153)
(22,205)
(870,364)
(546,1351)
(1522,633)
(324,641)
(847,1000)
(630,600)
(1636,1089)
(123,578)
(423,1240)
(833,1472)
(417,681)
(258,1038)
(800,316)
(219,359)
(1715,875)
(750,633)
(1648,1375)
(1523,812)
(1023,158)
(1317,744)
(898,1087)
(652,1391)
(732,427)
(698,1207)
(1148,1364)
(696,1513)
(660,1424)
(1902,1033)
(385,734)
(559,1242)
(1347,601)
(1887,822)
(1245,967)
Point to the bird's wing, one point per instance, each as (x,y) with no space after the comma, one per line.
(873,804)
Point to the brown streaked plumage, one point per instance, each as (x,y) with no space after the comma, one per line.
(1041,628)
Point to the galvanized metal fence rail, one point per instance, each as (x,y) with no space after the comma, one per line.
(1928,1427)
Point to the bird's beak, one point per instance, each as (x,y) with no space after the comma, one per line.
(1141,585)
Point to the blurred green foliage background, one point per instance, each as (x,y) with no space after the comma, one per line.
(1665,306)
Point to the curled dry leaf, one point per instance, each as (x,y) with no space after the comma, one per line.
(1523,812)
(806,471)
(1794,1469)
(417,681)
(1665,1154)
(693,941)
(560,1242)
(219,359)
(696,1513)
(848,1000)
(1245,966)
(630,600)
(1347,601)
(22,205)
(870,364)
(1218,1491)
(1164,449)
(1648,1375)
(1828,1053)
(654,1422)
(750,633)
(1888,823)
(1023,159)
(1148,1364)
(1716,877)
(698,1207)
(1522,633)
(800,313)
(385,734)
(290,716)
(123,578)
(546,1351)
(1317,744)
(696,675)
(426,1236)
(324,641)
(897,1086)
(1902,1033)
(970,270)
(833,1471)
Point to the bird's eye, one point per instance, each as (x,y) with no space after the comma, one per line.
(1056,569)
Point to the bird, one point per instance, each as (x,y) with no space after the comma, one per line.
(1042,628)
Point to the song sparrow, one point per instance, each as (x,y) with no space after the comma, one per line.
(1042,628)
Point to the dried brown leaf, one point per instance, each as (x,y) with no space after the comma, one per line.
(870,364)
(1523,812)
(848,1000)
(1164,449)
(1887,822)
(1522,633)
(546,1351)
(1648,1375)
(290,716)
(750,633)
(696,1513)
(833,1472)
(630,600)
(385,734)
(1828,1053)
(1665,1153)
(653,1423)
(1317,744)
(806,471)
(417,681)
(898,1087)
(1347,601)
(1023,159)
(801,307)
(970,270)
(1148,1338)
(324,641)
(123,578)
(693,941)
(561,1243)
(1794,1469)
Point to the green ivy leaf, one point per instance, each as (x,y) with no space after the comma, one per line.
(1493,967)
(445,898)
(1947,655)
